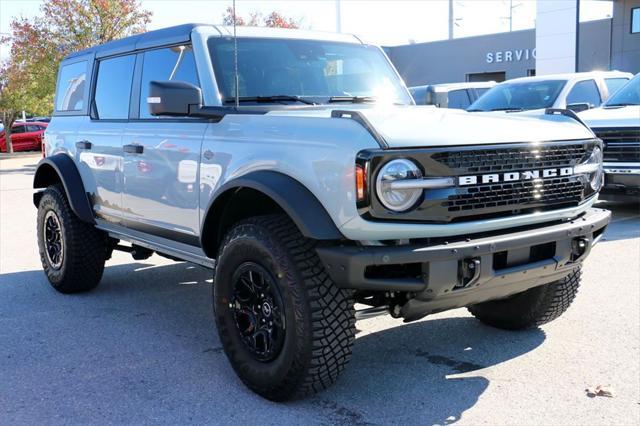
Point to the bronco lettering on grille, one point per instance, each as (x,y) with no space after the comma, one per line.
(514,176)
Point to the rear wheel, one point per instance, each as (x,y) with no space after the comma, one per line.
(284,325)
(72,252)
(531,308)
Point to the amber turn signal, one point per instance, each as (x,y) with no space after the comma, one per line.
(360,183)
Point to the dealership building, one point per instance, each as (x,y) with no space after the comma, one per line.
(557,44)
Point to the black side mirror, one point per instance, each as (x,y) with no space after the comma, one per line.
(577,107)
(176,98)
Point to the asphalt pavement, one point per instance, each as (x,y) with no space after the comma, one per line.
(143,348)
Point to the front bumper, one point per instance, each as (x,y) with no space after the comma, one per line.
(471,271)
(621,180)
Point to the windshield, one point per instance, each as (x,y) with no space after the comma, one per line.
(519,96)
(627,95)
(315,71)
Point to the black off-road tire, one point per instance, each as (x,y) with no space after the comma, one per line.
(84,248)
(319,317)
(531,308)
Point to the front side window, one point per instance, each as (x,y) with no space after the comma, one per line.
(113,87)
(584,92)
(174,63)
(613,84)
(71,85)
(458,99)
(628,95)
(519,96)
(33,128)
(313,70)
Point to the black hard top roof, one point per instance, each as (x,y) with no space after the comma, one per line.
(156,38)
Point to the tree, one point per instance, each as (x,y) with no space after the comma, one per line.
(274,20)
(27,78)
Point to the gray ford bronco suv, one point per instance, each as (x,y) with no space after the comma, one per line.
(296,166)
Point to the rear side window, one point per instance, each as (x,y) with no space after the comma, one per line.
(173,63)
(459,99)
(33,128)
(584,92)
(71,85)
(613,84)
(113,87)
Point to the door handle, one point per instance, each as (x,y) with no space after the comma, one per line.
(133,149)
(83,145)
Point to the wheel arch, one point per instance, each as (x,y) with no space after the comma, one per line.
(61,169)
(264,192)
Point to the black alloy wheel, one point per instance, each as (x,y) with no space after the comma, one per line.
(258,311)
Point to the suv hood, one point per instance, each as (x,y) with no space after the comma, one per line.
(627,116)
(424,126)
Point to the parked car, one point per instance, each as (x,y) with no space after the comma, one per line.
(450,95)
(38,119)
(577,92)
(617,123)
(303,195)
(24,136)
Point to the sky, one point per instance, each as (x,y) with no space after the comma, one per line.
(384,22)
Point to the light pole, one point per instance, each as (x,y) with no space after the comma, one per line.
(510,17)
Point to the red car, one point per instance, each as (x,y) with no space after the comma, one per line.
(24,136)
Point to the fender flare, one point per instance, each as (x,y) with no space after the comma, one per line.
(65,168)
(294,198)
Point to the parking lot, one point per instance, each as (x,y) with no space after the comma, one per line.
(142,347)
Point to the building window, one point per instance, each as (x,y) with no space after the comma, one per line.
(498,76)
(531,72)
(635,20)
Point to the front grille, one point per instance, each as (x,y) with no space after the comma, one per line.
(528,194)
(485,184)
(501,160)
(621,145)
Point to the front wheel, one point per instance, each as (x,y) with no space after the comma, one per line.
(531,308)
(286,328)
(72,252)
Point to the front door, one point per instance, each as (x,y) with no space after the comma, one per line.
(161,155)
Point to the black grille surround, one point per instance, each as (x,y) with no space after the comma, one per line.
(621,144)
(463,203)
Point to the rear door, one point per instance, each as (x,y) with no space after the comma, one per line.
(99,140)
(18,137)
(161,153)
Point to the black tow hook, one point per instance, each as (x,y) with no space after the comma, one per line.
(468,273)
(579,248)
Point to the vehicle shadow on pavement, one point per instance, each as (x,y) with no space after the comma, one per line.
(27,169)
(145,342)
(426,372)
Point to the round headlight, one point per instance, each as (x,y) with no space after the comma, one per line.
(597,177)
(398,199)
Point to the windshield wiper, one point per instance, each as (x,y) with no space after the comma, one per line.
(621,104)
(352,99)
(475,110)
(508,109)
(267,99)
